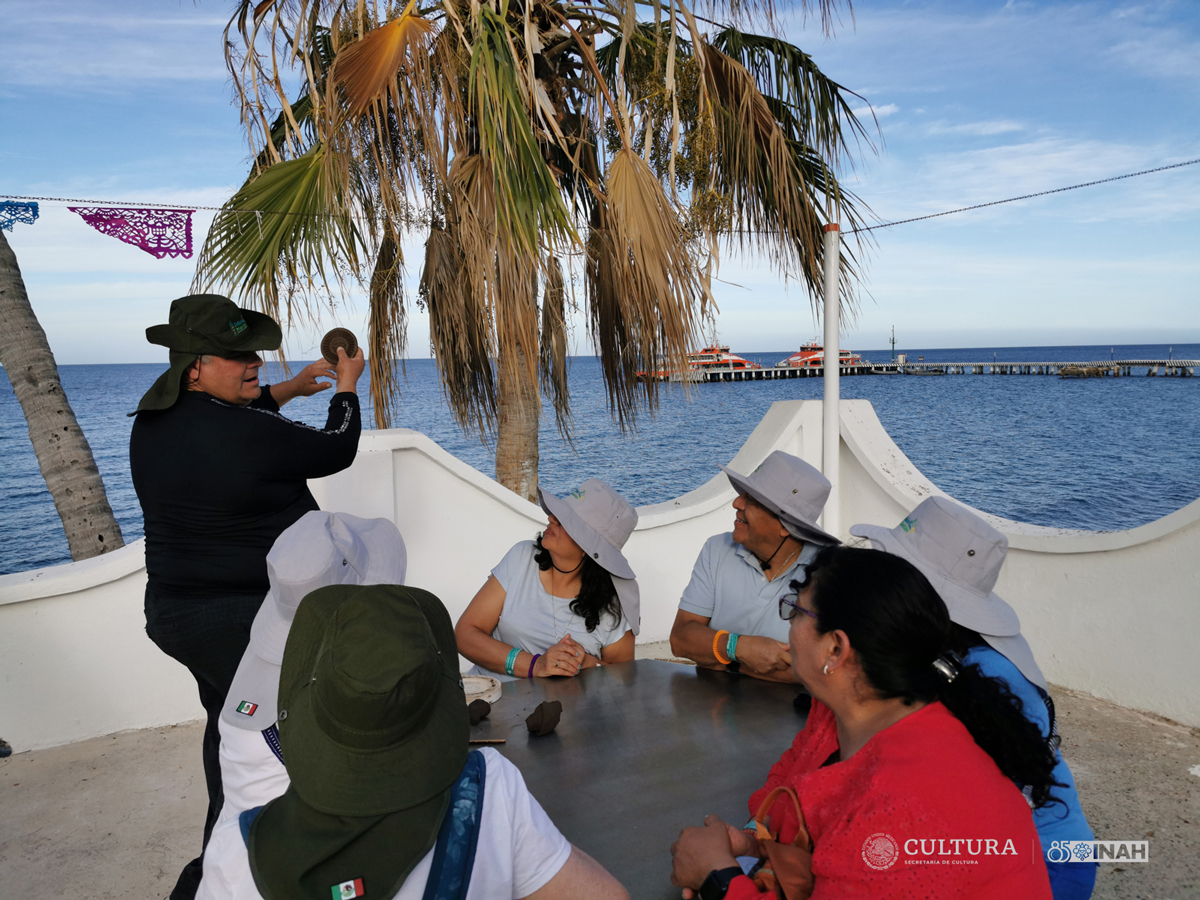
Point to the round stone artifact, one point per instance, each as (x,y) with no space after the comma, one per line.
(338,337)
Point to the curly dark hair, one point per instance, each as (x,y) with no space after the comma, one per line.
(898,625)
(597,595)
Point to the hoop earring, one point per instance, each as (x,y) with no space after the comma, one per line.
(826,669)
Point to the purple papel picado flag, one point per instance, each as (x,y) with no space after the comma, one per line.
(160,232)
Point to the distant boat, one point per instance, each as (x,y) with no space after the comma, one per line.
(812,356)
(715,357)
(905,370)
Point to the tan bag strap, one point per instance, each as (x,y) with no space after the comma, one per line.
(763,833)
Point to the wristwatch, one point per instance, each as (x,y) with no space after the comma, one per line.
(716,885)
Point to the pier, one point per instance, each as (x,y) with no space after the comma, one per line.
(1120,368)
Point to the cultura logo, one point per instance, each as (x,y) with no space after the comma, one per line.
(908,525)
(880,851)
(578,494)
(237,326)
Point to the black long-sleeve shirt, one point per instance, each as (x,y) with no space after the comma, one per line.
(218,483)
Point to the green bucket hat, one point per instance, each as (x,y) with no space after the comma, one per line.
(373,725)
(200,324)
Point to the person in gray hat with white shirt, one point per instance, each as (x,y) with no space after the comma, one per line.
(564,602)
(962,555)
(320,549)
(728,616)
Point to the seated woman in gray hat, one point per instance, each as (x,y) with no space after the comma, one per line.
(386,799)
(727,616)
(564,602)
(962,555)
(321,549)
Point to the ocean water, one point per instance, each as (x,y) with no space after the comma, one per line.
(1098,454)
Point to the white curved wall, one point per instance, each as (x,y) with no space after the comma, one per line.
(1113,614)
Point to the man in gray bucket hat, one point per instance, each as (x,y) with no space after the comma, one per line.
(729,616)
(962,555)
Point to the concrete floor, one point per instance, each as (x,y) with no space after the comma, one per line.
(118,816)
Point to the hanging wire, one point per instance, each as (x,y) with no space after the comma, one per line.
(1073,187)
(948,212)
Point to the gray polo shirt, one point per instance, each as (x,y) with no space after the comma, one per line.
(729,588)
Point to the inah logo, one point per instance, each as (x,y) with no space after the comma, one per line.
(880,851)
(908,525)
(1098,851)
(237,326)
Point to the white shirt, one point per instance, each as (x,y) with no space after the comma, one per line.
(728,587)
(519,848)
(535,620)
(251,775)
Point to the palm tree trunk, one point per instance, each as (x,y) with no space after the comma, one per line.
(517,411)
(62,450)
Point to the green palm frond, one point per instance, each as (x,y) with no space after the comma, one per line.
(529,204)
(282,229)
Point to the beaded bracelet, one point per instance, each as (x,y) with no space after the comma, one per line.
(512,658)
(731,647)
(532,663)
(716,652)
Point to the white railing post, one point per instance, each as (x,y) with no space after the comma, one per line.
(831,406)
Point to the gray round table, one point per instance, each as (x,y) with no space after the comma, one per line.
(644,749)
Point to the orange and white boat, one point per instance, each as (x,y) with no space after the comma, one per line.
(718,356)
(812,356)
(715,357)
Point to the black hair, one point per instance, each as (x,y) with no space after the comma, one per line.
(898,625)
(596,596)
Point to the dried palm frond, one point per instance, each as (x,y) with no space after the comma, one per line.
(367,69)
(815,109)
(772,189)
(285,224)
(387,328)
(460,333)
(641,282)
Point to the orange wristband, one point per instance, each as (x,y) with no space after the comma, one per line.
(716,644)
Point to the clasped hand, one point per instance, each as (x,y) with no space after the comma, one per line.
(763,655)
(566,657)
(700,850)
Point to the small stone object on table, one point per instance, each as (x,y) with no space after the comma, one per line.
(478,711)
(543,720)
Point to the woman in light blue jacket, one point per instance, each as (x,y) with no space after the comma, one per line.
(962,555)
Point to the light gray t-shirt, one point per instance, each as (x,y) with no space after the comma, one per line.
(729,588)
(534,620)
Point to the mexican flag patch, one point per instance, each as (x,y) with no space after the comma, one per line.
(348,890)
(246,708)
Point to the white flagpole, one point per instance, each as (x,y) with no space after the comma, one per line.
(831,420)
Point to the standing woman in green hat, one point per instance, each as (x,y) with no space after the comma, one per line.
(220,474)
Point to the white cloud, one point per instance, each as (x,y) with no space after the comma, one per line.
(977,129)
(880,111)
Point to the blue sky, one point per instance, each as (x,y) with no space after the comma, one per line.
(977,101)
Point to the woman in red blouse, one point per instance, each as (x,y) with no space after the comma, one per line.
(907,768)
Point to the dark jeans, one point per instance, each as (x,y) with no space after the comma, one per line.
(209,636)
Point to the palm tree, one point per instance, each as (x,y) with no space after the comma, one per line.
(62,450)
(539,145)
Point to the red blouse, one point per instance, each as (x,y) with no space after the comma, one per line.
(919,812)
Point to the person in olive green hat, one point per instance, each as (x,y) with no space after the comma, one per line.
(220,474)
(384,800)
